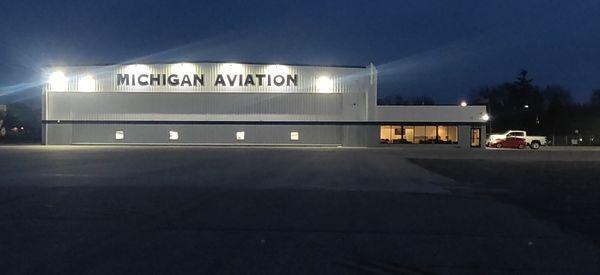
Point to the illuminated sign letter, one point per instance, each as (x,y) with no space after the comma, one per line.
(220,80)
(249,80)
(260,78)
(173,80)
(231,80)
(293,80)
(154,78)
(143,82)
(122,79)
(198,79)
(278,80)
(186,80)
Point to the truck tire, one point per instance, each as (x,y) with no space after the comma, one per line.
(498,145)
(521,146)
(2,132)
(535,145)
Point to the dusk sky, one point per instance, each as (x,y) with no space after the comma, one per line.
(443,49)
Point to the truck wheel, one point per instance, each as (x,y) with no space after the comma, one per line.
(2,132)
(521,146)
(498,145)
(535,145)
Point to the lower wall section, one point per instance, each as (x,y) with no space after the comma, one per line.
(352,135)
(254,134)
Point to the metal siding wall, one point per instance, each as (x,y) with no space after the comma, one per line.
(483,135)
(199,106)
(464,136)
(360,135)
(345,80)
(58,134)
(430,114)
(207,134)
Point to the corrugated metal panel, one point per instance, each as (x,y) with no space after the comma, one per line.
(345,80)
(206,134)
(196,106)
(430,113)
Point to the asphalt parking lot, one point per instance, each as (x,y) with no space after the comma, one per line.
(101,210)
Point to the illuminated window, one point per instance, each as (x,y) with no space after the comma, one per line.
(475,137)
(294,136)
(409,134)
(448,134)
(418,134)
(431,133)
(240,135)
(385,134)
(173,135)
(119,135)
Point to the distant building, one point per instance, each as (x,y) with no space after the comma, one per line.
(241,104)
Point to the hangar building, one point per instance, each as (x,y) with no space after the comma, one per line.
(212,103)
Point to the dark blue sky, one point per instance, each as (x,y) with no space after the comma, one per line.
(438,48)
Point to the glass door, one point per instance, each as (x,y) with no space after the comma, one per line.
(475,137)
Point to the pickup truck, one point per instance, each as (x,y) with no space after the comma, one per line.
(534,142)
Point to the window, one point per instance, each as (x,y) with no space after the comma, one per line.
(240,135)
(119,135)
(453,134)
(516,134)
(385,134)
(418,134)
(475,137)
(431,134)
(173,135)
(294,136)
(396,134)
(409,134)
(447,134)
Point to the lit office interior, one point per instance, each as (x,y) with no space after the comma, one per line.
(429,134)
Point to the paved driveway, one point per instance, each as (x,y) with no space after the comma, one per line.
(99,210)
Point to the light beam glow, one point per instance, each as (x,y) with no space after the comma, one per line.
(324,84)
(278,70)
(86,84)
(183,69)
(58,81)
(231,68)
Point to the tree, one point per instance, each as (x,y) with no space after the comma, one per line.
(557,96)
(513,105)
(522,81)
(595,99)
(20,115)
(559,103)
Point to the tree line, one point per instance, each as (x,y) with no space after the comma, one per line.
(548,110)
(521,104)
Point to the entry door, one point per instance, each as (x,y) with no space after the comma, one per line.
(475,137)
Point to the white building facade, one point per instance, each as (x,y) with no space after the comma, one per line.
(241,104)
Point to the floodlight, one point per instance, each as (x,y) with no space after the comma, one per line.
(86,84)
(324,84)
(278,69)
(58,81)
